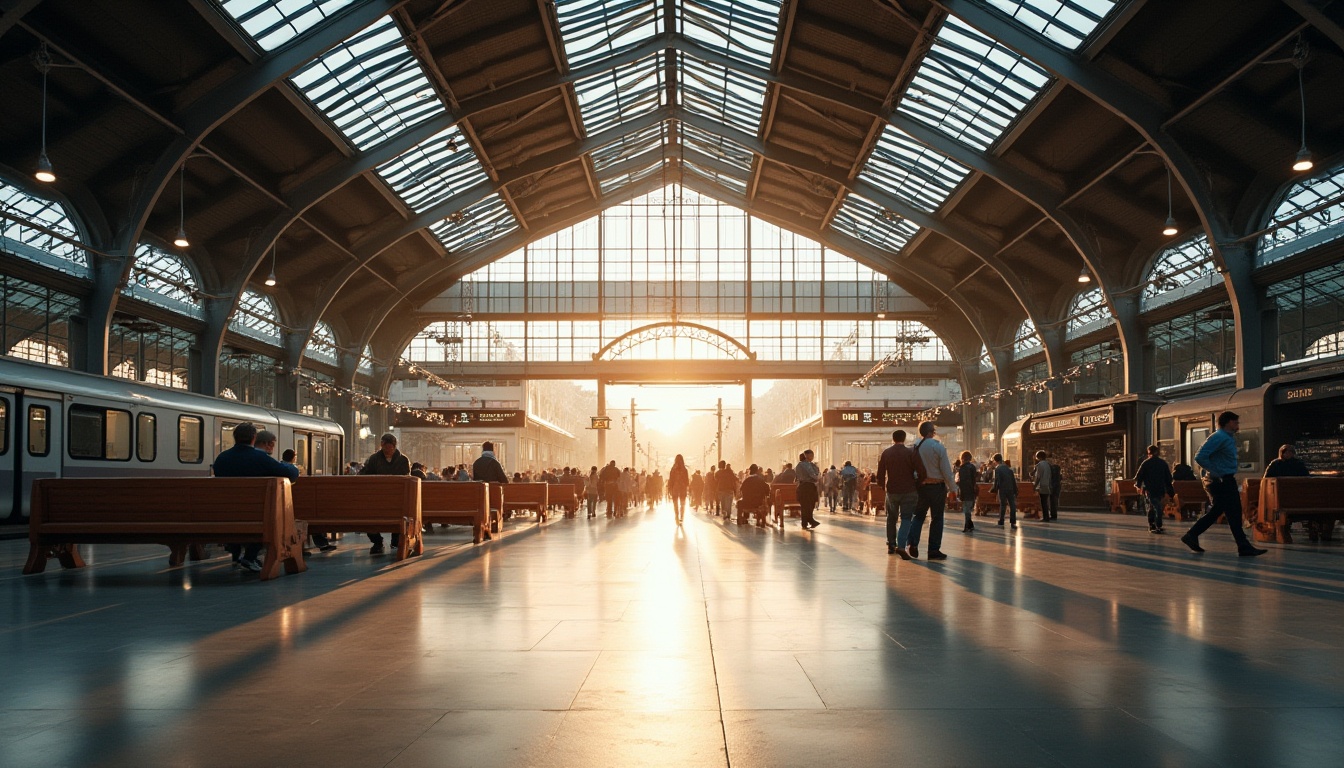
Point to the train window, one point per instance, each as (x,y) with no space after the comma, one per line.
(146,437)
(99,433)
(301,453)
(190,435)
(319,455)
(4,427)
(39,436)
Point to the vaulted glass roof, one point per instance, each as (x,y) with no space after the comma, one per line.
(256,317)
(595,29)
(609,98)
(434,171)
(726,95)
(1189,263)
(913,172)
(475,225)
(165,279)
(272,23)
(862,218)
(322,344)
(1066,23)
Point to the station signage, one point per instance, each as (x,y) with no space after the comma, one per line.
(600,422)
(1097,417)
(1300,392)
(868,417)
(469,418)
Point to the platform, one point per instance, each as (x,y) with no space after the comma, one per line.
(1084,642)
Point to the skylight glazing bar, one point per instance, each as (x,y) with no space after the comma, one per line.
(476,225)
(970,87)
(371,86)
(595,29)
(1066,23)
(714,177)
(743,29)
(717,147)
(862,218)
(629,146)
(725,95)
(609,98)
(915,173)
(434,170)
(272,23)
(629,178)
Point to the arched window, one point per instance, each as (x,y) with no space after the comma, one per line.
(986,362)
(256,317)
(1087,313)
(1310,214)
(27,227)
(1027,342)
(366,360)
(165,279)
(1203,371)
(1327,346)
(1179,270)
(40,352)
(322,344)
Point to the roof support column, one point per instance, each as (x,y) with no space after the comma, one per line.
(106,274)
(342,407)
(1132,344)
(287,379)
(1052,341)
(211,343)
(1238,262)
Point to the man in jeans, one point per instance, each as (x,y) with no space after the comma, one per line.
(896,473)
(1218,458)
(932,492)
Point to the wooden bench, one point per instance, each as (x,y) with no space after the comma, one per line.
(363,503)
(1124,495)
(986,500)
(566,496)
(1250,498)
(525,497)
(1188,501)
(176,512)
(459,504)
(877,500)
(784,497)
(1286,500)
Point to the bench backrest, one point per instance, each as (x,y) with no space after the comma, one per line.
(159,499)
(784,493)
(562,492)
(355,497)
(1190,491)
(1124,487)
(454,497)
(984,494)
(527,493)
(1302,493)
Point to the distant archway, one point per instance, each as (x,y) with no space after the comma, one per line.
(673,329)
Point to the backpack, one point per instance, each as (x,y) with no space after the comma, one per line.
(921,472)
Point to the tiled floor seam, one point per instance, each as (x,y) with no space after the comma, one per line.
(713,661)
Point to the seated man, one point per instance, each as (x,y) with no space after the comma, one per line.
(754,497)
(245,460)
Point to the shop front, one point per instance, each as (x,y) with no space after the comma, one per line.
(1308,412)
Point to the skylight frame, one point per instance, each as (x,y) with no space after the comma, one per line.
(485,221)
(725,95)
(257,317)
(1176,267)
(1087,309)
(865,220)
(718,147)
(612,183)
(270,26)
(715,177)
(592,30)
(55,252)
(356,84)
(166,279)
(433,171)
(745,30)
(322,345)
(915,173)
(1068,24)
(1299,232)
(609,98)
(650,139)
(950,93)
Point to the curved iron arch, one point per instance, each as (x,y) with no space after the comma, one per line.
(670,329)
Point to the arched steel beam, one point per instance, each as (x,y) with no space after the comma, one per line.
(1146,118)
(11,11)
(1319,16)
(731,342)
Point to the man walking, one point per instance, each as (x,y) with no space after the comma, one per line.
(896,473)
(808,494)
(1218,458)
(937,476)
(1005,485)
(1154,480)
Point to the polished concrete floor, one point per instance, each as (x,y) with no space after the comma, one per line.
(629,642)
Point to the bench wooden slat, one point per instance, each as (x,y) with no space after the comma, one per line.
(363,503)
(1285,500)
(459,504)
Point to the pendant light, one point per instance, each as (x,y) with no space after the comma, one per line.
(181,240)
(1084,276)
(1169,227)
(45,173)
(270,279)
(1303,160)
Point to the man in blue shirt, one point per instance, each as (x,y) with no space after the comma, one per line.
(1218,458)
(245,460)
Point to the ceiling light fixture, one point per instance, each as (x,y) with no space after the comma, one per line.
(45,173)
(270,279)
(1169,226)
(181,240)
(1303,160)
(1084,276)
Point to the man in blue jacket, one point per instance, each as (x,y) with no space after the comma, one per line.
(245,460)
(1218,458)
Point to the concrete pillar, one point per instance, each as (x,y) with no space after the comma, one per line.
(99,305)
(287,383)
(211,341)
(1133,343)
(1239,262)
(1053,341)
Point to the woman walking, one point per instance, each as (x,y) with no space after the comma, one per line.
(966,487)
(678,482)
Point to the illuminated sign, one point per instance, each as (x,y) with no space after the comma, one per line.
(468,418)
(600,422)
(869,417)
(1098,417)
(1292,394)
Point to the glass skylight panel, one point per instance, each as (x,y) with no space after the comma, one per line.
(322,344)
(256,317)
(164,279)
(1180,265)
(609,98)
(723,94)
(722,179)
(1027,341)
(1088,307)
(613,183)
(434,171)
(596,29)
(1066,23)
(717,147)
(862,218)
(475,225)
(743,29)
(1310,214)
(22,211)
(970,87)
(629,146)
(370,86)
(272,23)
(912,171)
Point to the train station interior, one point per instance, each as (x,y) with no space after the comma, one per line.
(585,232)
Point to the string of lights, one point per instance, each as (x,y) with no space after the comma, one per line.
(1034,385)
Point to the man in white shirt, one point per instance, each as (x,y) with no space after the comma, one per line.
(937,478)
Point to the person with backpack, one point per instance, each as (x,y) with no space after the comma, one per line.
(1154,481)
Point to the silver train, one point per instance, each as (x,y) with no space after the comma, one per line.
(60,423)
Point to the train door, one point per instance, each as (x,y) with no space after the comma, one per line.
(319,462)
(38,436)
(1195,435)
(9,499)
(301,458)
